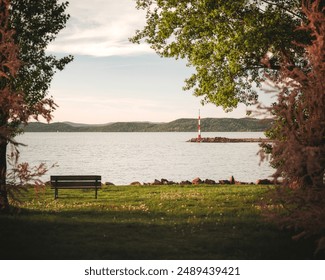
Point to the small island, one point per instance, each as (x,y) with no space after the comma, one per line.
(227,140)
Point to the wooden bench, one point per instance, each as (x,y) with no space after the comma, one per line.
(75,182)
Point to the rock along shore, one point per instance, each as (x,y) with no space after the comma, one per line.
(227,140)
(198,181)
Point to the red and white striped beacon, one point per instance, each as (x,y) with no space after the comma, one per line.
(199,128)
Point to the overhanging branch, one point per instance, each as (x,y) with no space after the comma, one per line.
(283,8)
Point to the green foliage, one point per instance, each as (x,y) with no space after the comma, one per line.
(224,41)
(147,222)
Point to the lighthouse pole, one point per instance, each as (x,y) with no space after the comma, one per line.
(199,128)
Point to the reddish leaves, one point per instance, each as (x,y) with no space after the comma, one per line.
(298,152)
(14,112)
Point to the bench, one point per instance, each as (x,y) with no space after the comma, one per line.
(75,182)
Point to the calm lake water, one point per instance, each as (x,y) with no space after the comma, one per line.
(122,158)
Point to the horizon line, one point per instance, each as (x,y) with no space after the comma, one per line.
(147,121)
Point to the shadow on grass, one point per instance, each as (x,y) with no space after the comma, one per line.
(83,234)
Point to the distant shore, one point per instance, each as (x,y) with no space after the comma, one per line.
(180,125)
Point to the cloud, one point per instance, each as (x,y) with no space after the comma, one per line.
(101,28)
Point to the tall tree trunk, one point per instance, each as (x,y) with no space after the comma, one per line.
(4,203)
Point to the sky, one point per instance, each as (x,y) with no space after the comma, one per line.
(113,80)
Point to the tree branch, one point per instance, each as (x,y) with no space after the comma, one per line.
(282,7)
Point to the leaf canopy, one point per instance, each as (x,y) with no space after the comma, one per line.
(225,42)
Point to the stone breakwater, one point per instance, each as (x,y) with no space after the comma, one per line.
(227,140)
(198,181)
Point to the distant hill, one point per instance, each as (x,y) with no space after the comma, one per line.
(180,125)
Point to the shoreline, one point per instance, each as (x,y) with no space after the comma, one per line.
(196,181)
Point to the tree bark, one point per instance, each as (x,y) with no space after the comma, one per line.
(4,202)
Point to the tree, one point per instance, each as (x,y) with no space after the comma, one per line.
(225,41)
(300,109)
(232,44)
(27,27)
(9,65)
(298,152)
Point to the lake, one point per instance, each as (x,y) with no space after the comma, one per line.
(122,158)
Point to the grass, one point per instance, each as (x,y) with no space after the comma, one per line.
(146,222)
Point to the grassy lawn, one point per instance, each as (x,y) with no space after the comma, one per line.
(147,222)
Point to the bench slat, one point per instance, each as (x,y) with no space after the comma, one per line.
(76,177)
(60,184)
(77,187)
